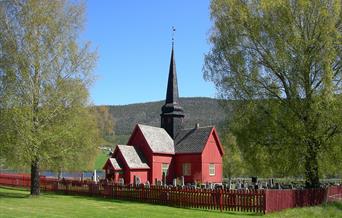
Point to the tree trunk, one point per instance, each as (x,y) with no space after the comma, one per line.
(311,167)
(35,183)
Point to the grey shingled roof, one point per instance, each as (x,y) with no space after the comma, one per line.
(115,163)
(192,140)
(134,158)
(158,139)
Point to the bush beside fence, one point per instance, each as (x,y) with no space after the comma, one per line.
(261,201)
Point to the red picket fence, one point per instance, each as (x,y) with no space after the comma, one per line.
(220,199)
(282,199)
(261,201)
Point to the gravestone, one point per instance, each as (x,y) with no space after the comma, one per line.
(182,181)
(137,180)
(238,185)
(121,182)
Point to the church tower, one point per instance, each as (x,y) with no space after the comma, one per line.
(172,113)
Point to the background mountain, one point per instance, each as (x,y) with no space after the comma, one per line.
(205,111)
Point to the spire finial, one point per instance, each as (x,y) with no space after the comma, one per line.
(173,35)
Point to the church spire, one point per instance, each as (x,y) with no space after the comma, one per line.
(172,86)
(172,113)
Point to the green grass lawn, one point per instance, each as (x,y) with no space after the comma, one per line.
(18,203)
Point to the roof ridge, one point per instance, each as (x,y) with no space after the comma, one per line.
(139,124)
(200,127)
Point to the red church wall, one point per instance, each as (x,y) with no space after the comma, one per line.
(211,154)
(196,166)
(158,160)
(142,174)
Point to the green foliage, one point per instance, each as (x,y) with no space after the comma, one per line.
(232,160)
(282,61)
(44,78)
(105,123)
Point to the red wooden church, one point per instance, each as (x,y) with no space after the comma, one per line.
(169,150)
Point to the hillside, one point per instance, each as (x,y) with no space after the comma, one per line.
(205,111)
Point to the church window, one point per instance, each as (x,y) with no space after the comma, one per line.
(186,169)
(165,168)
(211,169)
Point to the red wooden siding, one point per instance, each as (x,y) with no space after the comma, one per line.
(212,154)
(142,174)
(195,161)
(158,160)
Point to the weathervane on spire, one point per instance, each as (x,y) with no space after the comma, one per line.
(173,35)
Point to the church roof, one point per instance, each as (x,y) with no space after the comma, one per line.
(158,139)
(133,157)
(192,140)
(115,163)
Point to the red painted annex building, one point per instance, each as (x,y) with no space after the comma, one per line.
(194,153)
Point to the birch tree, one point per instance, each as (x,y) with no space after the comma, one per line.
(45,73)
(281,61)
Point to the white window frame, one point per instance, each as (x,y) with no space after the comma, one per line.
(186,168)
(212,169)
(165,166)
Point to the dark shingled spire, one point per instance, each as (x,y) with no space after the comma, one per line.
(172,113)
(172,86)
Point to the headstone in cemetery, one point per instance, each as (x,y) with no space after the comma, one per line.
(147,184)
(182,181)
(211,185)
(238,185)
(121,182)
(137,181)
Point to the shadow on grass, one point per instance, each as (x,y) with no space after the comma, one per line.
(12,194)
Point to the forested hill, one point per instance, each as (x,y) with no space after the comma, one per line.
(205,111)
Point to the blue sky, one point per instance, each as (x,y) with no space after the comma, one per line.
(134,44)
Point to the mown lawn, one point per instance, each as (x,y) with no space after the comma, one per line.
(18,203)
